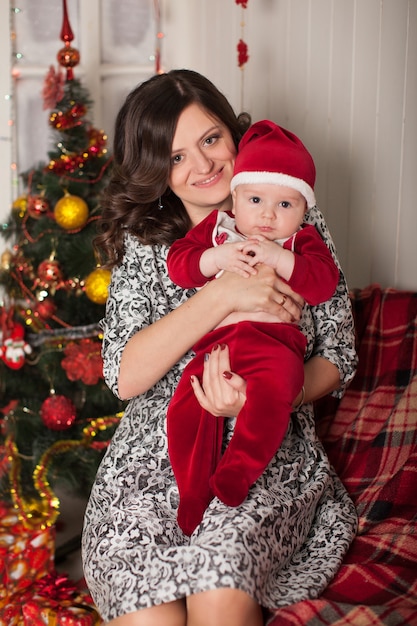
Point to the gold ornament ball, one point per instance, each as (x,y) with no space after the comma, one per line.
(6,260)
(96,285)
(71,212)
(20,205)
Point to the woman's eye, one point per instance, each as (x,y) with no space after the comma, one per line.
(176,159)
(209,141)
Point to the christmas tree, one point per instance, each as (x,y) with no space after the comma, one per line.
(57,415)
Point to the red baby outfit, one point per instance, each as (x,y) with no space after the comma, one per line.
(269,356)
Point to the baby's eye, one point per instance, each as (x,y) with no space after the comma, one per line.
(285,204)
(255,199)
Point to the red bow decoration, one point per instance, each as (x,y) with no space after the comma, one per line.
(242,53)
(83,361)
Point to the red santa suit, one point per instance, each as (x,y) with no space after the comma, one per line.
(269,356)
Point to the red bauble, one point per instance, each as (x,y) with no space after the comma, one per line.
(58,412)
(68,56)
(49,272)
(46,308)
(37,206)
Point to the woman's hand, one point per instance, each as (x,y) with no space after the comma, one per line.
(221,392)
(153,350)
(264,292)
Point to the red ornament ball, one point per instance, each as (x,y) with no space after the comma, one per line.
(68,57)
(49,272)
(37,206)
(58,412)
(46,308)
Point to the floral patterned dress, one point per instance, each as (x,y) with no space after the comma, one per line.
(283,544)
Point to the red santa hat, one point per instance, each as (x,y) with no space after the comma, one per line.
(270,154)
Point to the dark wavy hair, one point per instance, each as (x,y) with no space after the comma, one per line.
(144,132)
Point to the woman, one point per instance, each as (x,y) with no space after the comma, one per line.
(175,144)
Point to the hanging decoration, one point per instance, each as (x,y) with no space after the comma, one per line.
(68,56)
(242,49)
(83,361)
(58,412)
(14,348)
(53,88)
(71,212)
(96,285)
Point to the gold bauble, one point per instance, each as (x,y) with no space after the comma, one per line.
(71,212)
(20,205)
(96,285)
(6,260)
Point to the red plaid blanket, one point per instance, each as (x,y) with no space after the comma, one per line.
(371,439)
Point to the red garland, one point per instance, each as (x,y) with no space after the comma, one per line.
(97,143)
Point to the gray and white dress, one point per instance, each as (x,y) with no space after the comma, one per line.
(283,544)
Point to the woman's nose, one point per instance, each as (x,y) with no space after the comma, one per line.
(202,163)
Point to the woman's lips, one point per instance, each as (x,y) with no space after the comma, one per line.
(209,181)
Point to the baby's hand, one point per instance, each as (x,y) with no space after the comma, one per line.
(263,250)
(233,258)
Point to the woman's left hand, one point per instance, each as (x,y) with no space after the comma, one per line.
(221,392)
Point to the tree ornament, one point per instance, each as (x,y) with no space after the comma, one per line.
(6,260)
(19,206)
(37,206)
(53,88)
(58,412)
(83,361)
(46,308)
(49,272)
(68,56)
(13,347)
(96,285)
(71,212)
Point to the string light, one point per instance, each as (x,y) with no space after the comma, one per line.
(16,56)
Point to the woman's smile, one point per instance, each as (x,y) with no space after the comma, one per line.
(203,155)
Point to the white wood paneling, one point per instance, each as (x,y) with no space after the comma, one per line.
(340,73)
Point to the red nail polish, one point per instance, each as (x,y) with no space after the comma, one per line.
(227,375)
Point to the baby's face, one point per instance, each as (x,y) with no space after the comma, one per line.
(266,209)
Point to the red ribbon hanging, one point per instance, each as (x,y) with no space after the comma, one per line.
(242,48)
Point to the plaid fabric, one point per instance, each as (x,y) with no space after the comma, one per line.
(371,437)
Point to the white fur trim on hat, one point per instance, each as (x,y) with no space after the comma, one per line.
(275,178)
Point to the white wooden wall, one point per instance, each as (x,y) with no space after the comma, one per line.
(340,73)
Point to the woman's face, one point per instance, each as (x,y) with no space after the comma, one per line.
(203,154)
